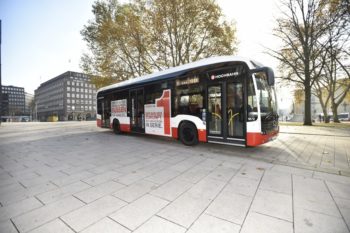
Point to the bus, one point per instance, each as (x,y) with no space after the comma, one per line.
(226,100)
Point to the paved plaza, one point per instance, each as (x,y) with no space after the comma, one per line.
(75,177)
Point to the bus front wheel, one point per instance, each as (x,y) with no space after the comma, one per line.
(188,134)
(116,127)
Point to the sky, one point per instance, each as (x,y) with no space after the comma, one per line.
(41,38)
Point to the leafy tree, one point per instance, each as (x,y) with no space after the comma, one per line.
(140,37)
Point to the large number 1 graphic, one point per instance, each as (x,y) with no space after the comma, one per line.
(164,101)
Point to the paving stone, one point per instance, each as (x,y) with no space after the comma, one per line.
(312,194)
(273,204)
(259,223)
(244,186)
(332,177)
(311,222)
(339,190)
(159,225)
(344,206)
(171,190)
(18,208)
(194,174)
(11,188)
(138,212)
(251,172)
(62,181)
(208,224)
(78,169)
(277,182)
(230,206)
(163,176)
(106,225)
(134,191)
(186,164)
(102,178)
(93,212)
(62,192)
(222,173)
(132,177)
(185,209)
(9,198)
(7,227)
(56,226)
(46,213)
(98,191)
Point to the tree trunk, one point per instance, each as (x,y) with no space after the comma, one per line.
(335,113)
(307,113)
(325,116)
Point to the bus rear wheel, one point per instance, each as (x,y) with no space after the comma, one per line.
(188,134)
(116,127)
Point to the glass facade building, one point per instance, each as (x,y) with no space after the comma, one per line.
(13,102)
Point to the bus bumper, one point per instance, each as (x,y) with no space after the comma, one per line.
(255,139)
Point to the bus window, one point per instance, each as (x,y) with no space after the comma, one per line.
(252,108)
(189,96)
(214,109)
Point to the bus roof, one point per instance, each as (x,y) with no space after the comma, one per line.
(178,70)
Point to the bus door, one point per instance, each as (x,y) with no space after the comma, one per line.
(106,113)
(226,118)
(137,103)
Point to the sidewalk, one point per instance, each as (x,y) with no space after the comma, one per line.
(74,177)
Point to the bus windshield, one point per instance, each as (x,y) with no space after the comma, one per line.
(266,94)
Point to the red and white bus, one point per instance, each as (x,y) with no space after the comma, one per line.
(227,100)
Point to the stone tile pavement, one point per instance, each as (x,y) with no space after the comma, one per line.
(74,177)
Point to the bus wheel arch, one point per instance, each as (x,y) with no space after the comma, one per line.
(116,126)
(188,133)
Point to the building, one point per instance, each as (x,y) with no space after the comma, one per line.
(316,108)
(69,96)
(29,105)
(13,103)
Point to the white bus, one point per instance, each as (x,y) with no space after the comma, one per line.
(227,100)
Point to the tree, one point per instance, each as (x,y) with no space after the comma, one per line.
(140,37)
(333,83)
(300,28)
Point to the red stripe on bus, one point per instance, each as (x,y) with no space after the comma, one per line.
(174,132)
(255,139)
(202,135)
(125,127)
(164,101)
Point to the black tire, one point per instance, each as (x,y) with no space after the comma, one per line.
(188,134)
(116,127)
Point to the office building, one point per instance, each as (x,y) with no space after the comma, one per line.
(13,103)
(69,96)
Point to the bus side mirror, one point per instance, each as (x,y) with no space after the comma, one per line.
(270,76)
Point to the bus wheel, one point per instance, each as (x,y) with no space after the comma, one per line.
(116,127)
(188,134)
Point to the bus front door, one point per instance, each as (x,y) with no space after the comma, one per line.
(226,121)
(137,120)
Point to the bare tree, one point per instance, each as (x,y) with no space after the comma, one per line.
(331,87)
(300,28)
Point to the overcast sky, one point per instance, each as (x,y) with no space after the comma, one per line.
(41,38)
